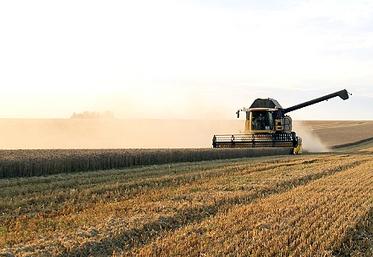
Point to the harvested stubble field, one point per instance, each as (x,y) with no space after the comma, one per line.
(310,205)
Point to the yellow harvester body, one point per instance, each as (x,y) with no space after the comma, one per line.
(267,125)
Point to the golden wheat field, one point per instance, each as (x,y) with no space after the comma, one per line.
(309,205)
(104,203)
(186,128)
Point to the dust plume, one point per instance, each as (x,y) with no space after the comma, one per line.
(311,142)
(82,132)
(92,133)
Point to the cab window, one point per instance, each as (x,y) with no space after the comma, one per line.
(261,120)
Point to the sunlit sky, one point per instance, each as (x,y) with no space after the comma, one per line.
(184,59)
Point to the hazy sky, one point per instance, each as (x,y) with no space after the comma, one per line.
(184,59)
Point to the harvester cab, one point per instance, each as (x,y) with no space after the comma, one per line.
(267,125)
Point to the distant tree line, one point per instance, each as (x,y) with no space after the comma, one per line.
(92,115)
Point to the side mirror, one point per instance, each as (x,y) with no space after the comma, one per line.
(238,114)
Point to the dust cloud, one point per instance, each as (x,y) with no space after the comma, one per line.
(111,133)
(311,142)
(78,133)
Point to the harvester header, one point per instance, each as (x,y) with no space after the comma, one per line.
(267,125)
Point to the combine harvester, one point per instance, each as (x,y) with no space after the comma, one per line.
(267,125)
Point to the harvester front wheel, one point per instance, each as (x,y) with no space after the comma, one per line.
(298,149)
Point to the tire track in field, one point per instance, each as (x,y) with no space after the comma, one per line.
(140,236)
